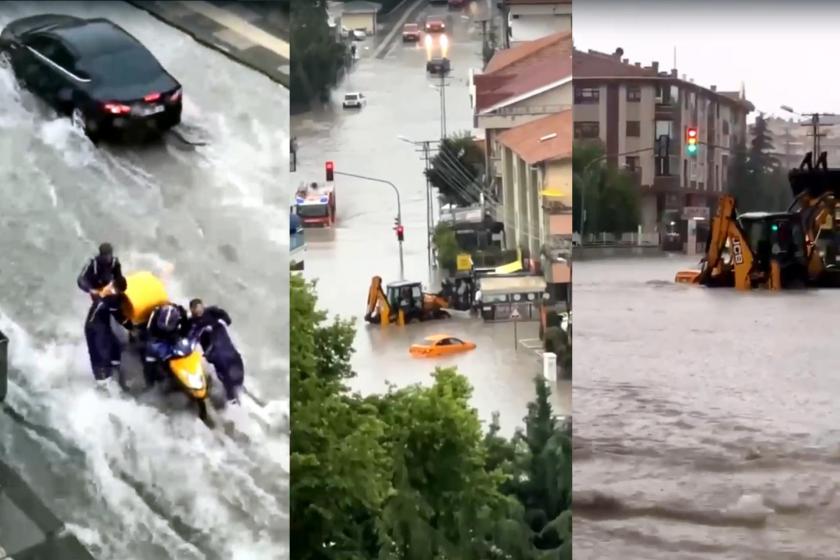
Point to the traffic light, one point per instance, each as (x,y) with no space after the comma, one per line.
(691,141)
(330,168)
(399,229)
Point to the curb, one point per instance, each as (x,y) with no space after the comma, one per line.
(278,77)
(388,41)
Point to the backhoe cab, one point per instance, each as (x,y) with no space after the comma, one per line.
(403,302)
(753,250)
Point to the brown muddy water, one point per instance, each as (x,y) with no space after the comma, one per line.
(706,421)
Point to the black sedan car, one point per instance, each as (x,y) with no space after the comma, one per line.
(438,66)
(94,71)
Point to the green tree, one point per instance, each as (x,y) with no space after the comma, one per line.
(546,490)
(341,472)
(447,247)
(409,475)
(756,178)
(457,170)
(318,58)
(609,195)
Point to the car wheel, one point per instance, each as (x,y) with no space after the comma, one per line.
(5,59)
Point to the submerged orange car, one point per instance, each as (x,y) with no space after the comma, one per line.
(440,345)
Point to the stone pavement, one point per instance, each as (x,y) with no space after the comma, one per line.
(252,33)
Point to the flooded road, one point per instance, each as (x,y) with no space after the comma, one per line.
(706,421)
(134,480)
(402,101)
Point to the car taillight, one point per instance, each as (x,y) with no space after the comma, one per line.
(154,96)
(117,108)
(176,95)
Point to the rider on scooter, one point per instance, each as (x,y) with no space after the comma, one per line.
(166,324)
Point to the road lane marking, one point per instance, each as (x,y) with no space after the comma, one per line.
(235,23)
(397,28)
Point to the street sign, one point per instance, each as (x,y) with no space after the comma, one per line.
(464,262)
(695,212)
(515,315)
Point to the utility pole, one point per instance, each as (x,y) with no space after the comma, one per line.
(429,219)
(442,105)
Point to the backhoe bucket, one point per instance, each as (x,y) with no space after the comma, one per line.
(688,277)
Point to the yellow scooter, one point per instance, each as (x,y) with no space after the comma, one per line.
(145,292)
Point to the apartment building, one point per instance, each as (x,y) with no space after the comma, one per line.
(522,101)
(519,85)
(536,162)
(529,20)
(640,114)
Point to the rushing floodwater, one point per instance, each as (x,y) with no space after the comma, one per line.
(132,480)
(706,421)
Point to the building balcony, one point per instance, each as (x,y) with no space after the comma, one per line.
(666,182)
(665,110)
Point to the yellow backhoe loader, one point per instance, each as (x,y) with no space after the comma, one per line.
(403,302)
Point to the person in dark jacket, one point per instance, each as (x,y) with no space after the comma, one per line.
(102,342)
(166,324)
(100,271)
(211,324)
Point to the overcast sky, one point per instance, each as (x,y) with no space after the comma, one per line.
(785,52)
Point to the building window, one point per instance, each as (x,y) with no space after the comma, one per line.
(664,128)
(633,129)
(725,127)
(632,162)
(717,110)
(634,93)
(587,129)
(663,94)
(685,99)
(717,178)
(587,96)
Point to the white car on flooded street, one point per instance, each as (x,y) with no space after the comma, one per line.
(353,100)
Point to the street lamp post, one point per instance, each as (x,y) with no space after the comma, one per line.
(399,209)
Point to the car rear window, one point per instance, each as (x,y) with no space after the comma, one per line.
(410,26)
(351,97)
(125,68)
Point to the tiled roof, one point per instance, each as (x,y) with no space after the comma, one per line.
(524,140)
(526,67)
(594,64)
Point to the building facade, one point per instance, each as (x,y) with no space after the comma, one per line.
(529,20)
(536,172)
(641,114)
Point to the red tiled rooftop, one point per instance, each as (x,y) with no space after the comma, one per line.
(526,67)
(594,64)
(524,139)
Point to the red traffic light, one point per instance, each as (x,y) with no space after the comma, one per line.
(692,133)
(399,229)
(329,168)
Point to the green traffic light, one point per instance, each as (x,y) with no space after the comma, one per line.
(775,227)
(692,149)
